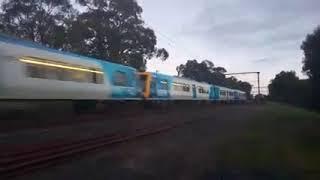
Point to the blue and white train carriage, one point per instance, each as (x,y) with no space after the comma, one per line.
(187,89)
(31,71)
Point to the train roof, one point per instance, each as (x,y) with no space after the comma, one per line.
(189,79)
(226,88)
(13,40)
(160,75)
(230,89)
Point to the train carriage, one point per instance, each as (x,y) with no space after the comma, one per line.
(31,71)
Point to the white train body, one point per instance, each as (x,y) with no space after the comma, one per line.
(16,84)
(181,89)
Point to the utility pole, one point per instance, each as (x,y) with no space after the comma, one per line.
(258,83)
(258,77)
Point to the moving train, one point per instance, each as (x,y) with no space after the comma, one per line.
(31,71)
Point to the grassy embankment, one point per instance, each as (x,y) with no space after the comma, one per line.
(279,137)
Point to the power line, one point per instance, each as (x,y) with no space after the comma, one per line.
(254,72)
(172,43)
(262,87)
(242,73)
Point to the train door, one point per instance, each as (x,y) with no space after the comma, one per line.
(163,88)
(194,91)
(145,83)
(236,95)
(153,87)
(216,93)
(211,95)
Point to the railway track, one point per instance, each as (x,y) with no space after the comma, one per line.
(14,164)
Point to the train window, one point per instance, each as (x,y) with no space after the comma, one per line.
(80,76)
(98,78)
(153,84)
(131,79)
(177,87)
(223,93)
(120,78)
(34,71)
(201,90)
(47,69)
(164,85)
(186,87)
(181,87)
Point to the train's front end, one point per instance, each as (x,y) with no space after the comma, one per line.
(31,71)
(10,70)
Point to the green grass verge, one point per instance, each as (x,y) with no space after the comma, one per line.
(279,137)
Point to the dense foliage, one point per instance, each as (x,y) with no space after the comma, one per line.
(205,71)
(110,29)
(311,63)
(287,87)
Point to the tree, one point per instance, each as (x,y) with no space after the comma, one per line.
(246,87)
(114,30)
(197,71)
(205,71)
(286,87)
(37,20)
(311,63)
(221,70)
(282,86)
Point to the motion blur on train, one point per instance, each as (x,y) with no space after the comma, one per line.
(31,71)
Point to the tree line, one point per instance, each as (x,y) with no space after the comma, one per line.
(287,87)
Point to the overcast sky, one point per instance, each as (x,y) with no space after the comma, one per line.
(240,35)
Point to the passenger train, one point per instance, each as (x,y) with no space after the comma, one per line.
(31,71)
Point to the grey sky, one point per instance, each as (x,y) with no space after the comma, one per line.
(240,35)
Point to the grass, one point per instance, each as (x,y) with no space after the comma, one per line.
(270,141)
(273,142)
(280,139)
